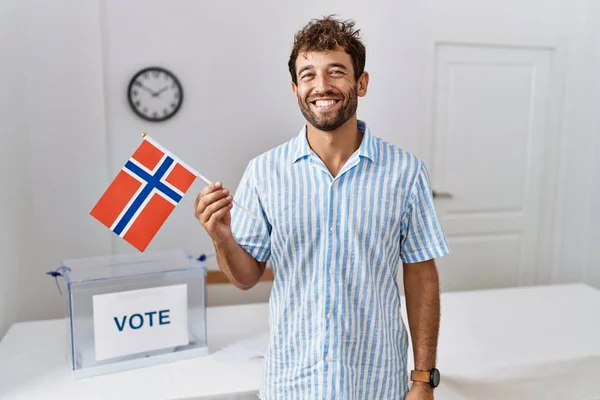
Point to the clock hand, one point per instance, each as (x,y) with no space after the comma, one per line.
(156,94)
(147,89)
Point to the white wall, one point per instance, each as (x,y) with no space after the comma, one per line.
(592,271)
(576,165)
(68,96)
(53,143)
(14,197)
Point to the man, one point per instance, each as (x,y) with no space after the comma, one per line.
(335,211)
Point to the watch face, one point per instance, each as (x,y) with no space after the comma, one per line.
(155,94)
(435,377)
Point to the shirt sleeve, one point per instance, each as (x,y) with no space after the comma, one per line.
(422,235)
(251,230)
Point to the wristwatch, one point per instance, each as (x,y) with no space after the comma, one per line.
(432,377)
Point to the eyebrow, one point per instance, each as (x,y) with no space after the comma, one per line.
(338,65)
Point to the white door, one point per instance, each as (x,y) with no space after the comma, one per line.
(489,133)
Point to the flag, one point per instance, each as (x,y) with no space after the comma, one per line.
(144,193)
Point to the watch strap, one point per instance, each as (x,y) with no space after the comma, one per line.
(420,376)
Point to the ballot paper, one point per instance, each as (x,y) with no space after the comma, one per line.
(246,350)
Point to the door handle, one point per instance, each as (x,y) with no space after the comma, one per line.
(442,195)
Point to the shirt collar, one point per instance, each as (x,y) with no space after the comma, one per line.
(367,148)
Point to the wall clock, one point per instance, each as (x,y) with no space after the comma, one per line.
(155,94)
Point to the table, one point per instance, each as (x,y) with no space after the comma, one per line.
(33,364)
(518,343)
(521,343)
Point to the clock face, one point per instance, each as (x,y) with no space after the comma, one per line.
(155,94)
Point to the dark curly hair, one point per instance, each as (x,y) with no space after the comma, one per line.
(327,34)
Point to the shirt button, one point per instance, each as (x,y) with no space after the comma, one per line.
(328,359)
(329,316)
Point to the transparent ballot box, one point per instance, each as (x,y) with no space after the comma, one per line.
(133,310)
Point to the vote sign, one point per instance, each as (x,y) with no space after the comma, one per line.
(141,320)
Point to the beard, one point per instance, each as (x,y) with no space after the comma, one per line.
(330,120)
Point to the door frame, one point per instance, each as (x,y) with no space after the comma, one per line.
(551,201)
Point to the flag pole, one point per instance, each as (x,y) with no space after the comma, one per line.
(234,202)
(199,175)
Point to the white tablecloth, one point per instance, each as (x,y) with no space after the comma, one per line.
(525,343)
(33,364)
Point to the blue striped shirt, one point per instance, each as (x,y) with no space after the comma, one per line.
(335,246)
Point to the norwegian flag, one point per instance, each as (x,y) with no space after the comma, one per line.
(144,193)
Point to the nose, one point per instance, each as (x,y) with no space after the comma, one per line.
(322,83)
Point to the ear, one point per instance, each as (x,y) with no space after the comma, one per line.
(363,83)
(295,91)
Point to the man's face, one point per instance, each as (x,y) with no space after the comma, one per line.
(327,92)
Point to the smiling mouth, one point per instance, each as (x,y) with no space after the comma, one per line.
(324,103)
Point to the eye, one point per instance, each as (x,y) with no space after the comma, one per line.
(307,75)
(337,72)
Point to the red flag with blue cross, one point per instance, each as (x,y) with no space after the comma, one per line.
(144,193)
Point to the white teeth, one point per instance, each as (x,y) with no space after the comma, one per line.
(325,103)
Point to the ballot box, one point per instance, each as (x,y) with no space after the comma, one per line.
(133,310)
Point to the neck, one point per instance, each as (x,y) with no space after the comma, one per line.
(335,147)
